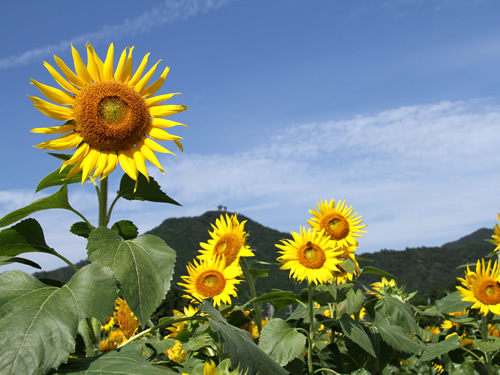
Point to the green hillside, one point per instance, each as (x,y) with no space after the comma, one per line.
(430,270)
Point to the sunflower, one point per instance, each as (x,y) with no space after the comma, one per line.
(338,221)
(228,240)
(482,288)
(179,326)
(496,235)
(211,279)
(310,254)
(110,117)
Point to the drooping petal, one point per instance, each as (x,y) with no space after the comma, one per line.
(65,142)
(144,80)
(149,155)
(128,164)
(80,154)
(56,95)
(137,76)
(111,163)
(72,77)
(179,144)
(52,110)
(161,134)
(164,123)
(156,147)
(166,110)
(55,129)
(108,63)
(60,79)
(139,162)
(159,98)
(80,68)
(100,165)
(89,163)
(156,85)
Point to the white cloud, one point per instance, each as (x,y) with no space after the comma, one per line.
(168,12)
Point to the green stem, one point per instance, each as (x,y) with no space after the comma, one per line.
(484,334)
(311,329)
(65,260)
(83,217)
(108,217)
(253,292)
(92,335)
(103,203)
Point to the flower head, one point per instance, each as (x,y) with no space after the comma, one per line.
(178,327)
(312,255)
(496,236)
(338,221)
(176,353)
(228,240)
(110,116)
(211,279)
(482,288)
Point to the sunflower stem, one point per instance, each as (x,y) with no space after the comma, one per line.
(92,336)
(484,334)
(253,292)
(311,329)
(103,203)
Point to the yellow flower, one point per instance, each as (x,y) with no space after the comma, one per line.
(113,339)
(110,116)
(312,255)
(211,279)
(176,353)
(338,221)
(482,288)
(178,327)
(493,330)
(343,275)
(448,324)
(125,318)
(438,367)
(383,287)
(496,236)
(433,329)
(228,240)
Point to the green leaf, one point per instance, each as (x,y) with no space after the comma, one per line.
(240,347)
(355,332)
(9,260)
(259,272)
(282,342)
(125,361)
(38,323)
(432,351)
(376,271)
(452,303)
(352,303)
(57,200)
(145,191)
(143,266)
(126,229)
(81,229)
(396,336)
(57,178)
(398,313)
(278,298)
(492,345)
(24,237)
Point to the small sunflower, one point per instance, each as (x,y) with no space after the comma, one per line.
(496,235)
(125,318)
(338,221)
(228,240)
(176,353)
(110,116)
(178,327)
(211,279)
(482,288)
(312,255)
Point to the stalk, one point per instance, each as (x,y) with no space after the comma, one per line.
(311,329)
(253,292)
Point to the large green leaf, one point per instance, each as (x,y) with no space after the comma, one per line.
(432,351)
(396,336)
(398,313)
(355,332)
(145,191)
(38,323)
(282,342)
(240,347)
(452,303)
(278,298)
(143,266)
(57,200)
(57,178)
(128,360)
(4,260)
(352,303)
(376,271)
(24,237)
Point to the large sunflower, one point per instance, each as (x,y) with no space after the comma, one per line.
(110,116)
(211,279)
(482,287)
(338,221)
(310,254)
(228,240)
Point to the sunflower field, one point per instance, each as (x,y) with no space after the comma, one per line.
(100,321)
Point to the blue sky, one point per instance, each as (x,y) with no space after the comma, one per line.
(391,105)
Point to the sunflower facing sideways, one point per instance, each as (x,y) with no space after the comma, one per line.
(310,254)
(338,221)
(228,240)
(211,279)
(482,288)
(111,116)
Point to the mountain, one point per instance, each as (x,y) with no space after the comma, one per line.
(430,270)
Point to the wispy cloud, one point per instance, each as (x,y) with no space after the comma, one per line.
(168,12)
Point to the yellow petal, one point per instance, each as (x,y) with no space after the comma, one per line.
(155,86)
(78,155)
(100,165)
(179,144)
(72,77)
(164,123)
(108,64)
(120,69)
(128,164)
(89,163)
(80,67)
(166,110)
(159,98)
(92,66)
(144,80)
(65,142)
(128,66)
(156,147)
(52,110)
(139,162)
(111,162)
(76,168)
(55,129)
(60,79)
(56,95)
(149,155)
(160,134)
(133,81)
(98,61)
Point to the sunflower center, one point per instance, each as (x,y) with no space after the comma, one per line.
(210,283)
(229,246)
(488,292)
(311,255)
(336,225)
(110,116)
